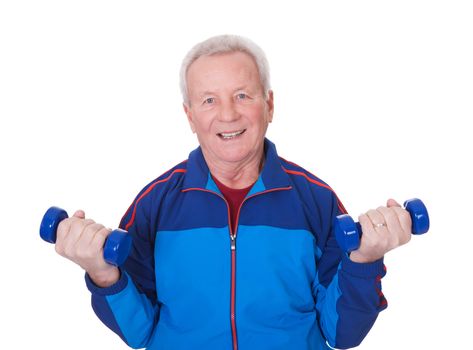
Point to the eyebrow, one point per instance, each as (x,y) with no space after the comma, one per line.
(209,92)
(205,93)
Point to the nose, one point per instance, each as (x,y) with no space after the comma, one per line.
(228,112)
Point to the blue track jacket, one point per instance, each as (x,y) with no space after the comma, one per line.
(279,282)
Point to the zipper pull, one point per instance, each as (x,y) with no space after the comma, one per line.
(232,241)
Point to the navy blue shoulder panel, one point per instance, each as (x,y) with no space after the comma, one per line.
(168,176)
(140,221)
(301,175)
(308,203)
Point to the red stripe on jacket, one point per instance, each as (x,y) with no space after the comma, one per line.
(144,194)
(318,183)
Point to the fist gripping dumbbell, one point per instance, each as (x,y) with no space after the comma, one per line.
(115,250)
(348,232)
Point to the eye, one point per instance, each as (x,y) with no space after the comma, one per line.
(242,96)
(209,100)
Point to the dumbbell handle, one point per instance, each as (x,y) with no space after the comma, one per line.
(348,232)
(115,250)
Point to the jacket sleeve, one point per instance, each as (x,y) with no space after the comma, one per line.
(129,307)
(348,294)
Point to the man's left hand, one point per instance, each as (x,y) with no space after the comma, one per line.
(384,229)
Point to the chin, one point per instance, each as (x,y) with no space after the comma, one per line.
(233,157)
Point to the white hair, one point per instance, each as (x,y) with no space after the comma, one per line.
(222,44)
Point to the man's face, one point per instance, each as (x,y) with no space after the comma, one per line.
(227,109)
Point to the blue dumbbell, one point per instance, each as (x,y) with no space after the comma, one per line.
(348,232)
(115,250)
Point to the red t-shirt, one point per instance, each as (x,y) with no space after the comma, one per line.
(234,198)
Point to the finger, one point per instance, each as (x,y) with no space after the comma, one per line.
(101,236)
(390,218)
(376,217)
(89,232)
(84,247)
(395,233)
(372,236)
(61,233)
(405,221)
(76,230)
(99,239)
(366,225)
(392,203)
(77,227)
(69,229)
(79,214)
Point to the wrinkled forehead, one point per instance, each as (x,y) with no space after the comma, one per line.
(222,71)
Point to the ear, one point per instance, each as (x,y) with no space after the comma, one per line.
(270,105)
(188,112)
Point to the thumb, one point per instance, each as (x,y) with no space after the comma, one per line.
(392,203)
(79,214)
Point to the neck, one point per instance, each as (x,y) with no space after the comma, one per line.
(236,175)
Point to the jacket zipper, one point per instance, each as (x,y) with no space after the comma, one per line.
(233,289)
(233,236)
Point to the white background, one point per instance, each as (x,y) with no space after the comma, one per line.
(372,96)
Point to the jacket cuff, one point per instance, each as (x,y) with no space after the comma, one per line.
(374,269)
(113,289)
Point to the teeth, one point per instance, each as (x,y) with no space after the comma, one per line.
(229,135)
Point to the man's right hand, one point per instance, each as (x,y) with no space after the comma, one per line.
(81,240)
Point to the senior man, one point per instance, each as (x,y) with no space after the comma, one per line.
(234,247)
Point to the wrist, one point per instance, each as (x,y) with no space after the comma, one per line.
(363,270)
(105,279)
(357,257)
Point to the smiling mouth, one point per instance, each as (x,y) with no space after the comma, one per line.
(230,135)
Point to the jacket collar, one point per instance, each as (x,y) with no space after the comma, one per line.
(271,177)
